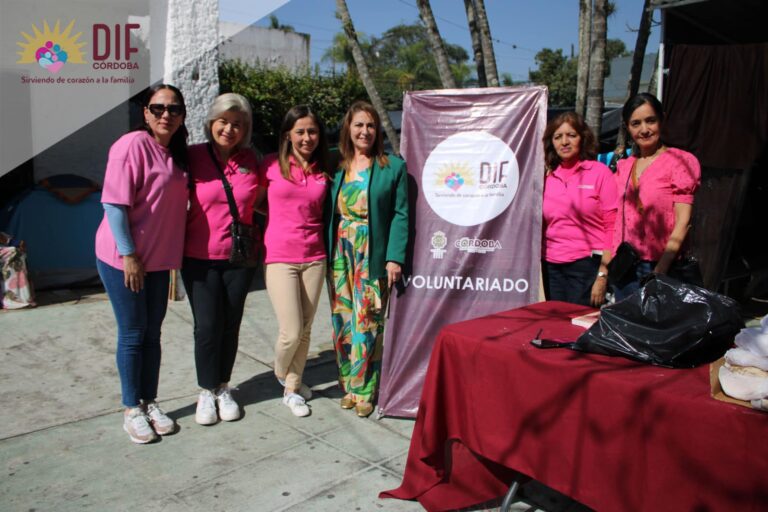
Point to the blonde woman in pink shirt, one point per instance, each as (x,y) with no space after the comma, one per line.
(216,288)
(297,183)
(579,213)
(657,185)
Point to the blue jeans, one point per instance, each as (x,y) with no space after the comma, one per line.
(571,282)
(139,318)
(631,282)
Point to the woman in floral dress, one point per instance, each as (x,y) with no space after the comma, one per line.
(367,237)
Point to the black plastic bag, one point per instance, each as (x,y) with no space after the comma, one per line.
(666,323)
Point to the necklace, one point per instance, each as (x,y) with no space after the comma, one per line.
(643,162)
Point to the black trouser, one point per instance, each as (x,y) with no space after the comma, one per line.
(217,291)
(571,282)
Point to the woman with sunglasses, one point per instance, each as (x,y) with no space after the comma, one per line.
(137,243)
(295,252)
(216,288)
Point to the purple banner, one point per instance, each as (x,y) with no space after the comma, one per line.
(476,160)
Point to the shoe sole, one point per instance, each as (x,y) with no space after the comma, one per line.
(365,411)
(136,439)
(229,418)
(206,422)
(300,415)
(164,432)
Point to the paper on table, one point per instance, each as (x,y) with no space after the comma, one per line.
(586,320)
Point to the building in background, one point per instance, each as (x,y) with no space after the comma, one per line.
(262,46)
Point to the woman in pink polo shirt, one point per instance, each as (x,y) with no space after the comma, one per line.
(137,243)
(657,184)
(216,288)
(579,212)
(297,182)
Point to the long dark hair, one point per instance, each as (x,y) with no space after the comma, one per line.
(178,144)
(347,149)
(637,101)
(319,155)
(587,145)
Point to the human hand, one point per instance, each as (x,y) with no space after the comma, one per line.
(133,270)
(597,297)
(394,273)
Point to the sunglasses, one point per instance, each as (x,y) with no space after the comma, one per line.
(158,109)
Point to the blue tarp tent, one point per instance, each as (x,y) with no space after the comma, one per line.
(58,225)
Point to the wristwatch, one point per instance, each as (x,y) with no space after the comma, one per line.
(602,274)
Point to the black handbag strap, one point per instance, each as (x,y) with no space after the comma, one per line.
(225,183)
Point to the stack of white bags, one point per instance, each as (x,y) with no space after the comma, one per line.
(744,375)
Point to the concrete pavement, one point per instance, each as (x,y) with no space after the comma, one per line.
(62,445)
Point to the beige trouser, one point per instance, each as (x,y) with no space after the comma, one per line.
(294,289)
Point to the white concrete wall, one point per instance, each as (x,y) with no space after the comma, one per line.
(191,57)
(260,45)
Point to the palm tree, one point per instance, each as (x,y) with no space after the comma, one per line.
(477,47)
(438,48)
(365,75)
(582,74)
(633,84)
(596,81)
(489,57)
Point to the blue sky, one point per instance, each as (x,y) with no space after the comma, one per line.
(520,27)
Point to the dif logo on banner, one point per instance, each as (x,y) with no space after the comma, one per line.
(470,178)
(52,49)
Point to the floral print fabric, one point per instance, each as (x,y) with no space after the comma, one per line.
(15,286)
(356,300)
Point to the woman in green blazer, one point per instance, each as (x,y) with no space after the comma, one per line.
(366,238)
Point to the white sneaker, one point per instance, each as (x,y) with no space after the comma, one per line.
(304,390)
(228,408)
(136,424)
(297,404)
(161,423)
(206,409)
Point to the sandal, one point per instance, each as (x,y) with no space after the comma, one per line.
(363,409)
(347,402)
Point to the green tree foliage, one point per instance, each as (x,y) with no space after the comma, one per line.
(272,92)
(401,60)
(616,48)
(558,73)
(341,52)
(275,24)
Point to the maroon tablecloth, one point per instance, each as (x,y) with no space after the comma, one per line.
(613,434)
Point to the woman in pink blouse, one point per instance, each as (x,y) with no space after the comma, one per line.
(216,288)
(656,185)
(297,183)
(579,213)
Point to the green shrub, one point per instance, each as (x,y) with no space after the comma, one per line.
(272,92)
